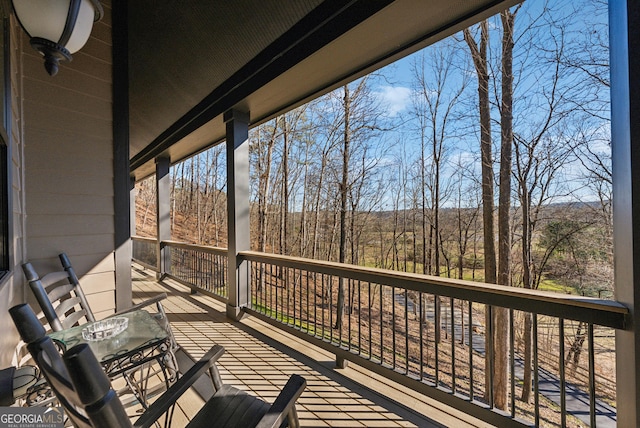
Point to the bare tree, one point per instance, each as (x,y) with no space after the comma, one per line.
(436,98)
(480,61)
(360,118)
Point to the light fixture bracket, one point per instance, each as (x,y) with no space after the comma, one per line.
(52,52)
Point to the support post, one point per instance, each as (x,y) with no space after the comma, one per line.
(163,214)
(237,124)
(121,170)
(624,40)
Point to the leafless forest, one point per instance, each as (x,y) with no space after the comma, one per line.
(485,156)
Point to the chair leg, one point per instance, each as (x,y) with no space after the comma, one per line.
(293,420)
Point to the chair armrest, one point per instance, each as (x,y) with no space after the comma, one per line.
(138,306)
(284,404)
(175,391)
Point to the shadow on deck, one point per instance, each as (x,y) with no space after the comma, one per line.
(260,358)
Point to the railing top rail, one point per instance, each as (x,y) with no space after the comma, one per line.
(143,239)
(202,248)
(597,311)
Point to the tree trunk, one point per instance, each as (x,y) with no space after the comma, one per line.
(264,182)
(285,188)
(343,204)
(501,340)
(479,56)
(526,282)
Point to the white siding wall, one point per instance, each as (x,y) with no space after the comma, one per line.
(68,164)
(12,289)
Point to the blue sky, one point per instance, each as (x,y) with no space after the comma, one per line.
(394,91)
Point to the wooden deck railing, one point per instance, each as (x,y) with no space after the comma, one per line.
(430,333)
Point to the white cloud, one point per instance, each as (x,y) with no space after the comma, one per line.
(394,98)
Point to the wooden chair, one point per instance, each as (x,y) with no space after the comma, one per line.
(85,391)
(64,303)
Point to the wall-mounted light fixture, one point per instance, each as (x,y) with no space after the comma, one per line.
(57,28)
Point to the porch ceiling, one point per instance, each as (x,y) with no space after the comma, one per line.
(190,61)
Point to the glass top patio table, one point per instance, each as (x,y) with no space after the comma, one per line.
(143,340)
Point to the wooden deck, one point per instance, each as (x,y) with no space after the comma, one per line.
(260,358)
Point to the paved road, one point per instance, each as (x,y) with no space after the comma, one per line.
(577,401)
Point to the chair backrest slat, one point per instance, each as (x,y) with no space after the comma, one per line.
(54,277)
(72,303)
(59,291)
(72,319)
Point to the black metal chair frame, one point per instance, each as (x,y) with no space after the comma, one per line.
(85,391)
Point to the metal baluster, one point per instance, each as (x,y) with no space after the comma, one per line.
(303,281)
(202,270)
(315,302)
(436,324)
(592,377)
(512,357)
(470,327)
(420,328)
(248,273)
(350,306)
(331,308)
(206,272)
(290,283)
(536,376)
(267,290)
(296,286)
(257,267)
(271,281)
(563,381)
(381,335)
(359,318)
(185,266)
(220,278)
(393,326)
(489,337)
(252,288)
(193,269)
(323,304)
(453,347)
(197,271)
(406,327)
(214,274)
(370,305)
